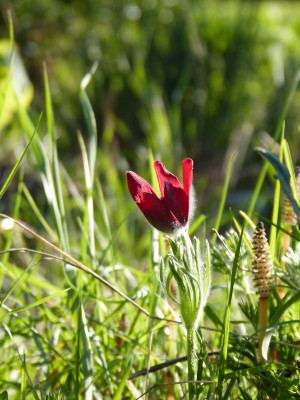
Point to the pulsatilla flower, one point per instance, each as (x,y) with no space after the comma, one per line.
(171,211)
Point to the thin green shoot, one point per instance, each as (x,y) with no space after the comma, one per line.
(16,166)
(223,198)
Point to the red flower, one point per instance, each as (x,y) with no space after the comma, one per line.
(170,212)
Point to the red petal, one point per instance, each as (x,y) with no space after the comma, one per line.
(164,175)
(137,186)
(187,175)
(158,214)
(177,201)
(153,208)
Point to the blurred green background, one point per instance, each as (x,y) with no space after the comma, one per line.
(200,79)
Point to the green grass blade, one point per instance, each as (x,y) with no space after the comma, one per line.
(223,198)
(289,164)
(16,210)
(14,272)
(278,128)
(125,374)
(105,217)
(11,30)
(201,218)
(28,127)
(35,259)
(23,382)
(224,349)
(38,213)
(256,370)
(276,205)
(247,219)
(6,81)
(89,206)
(90,161)
(57,195)
(282,175)
(245,238)
(16,166)
(90,120)
(153,176)
(4,91)
(96,342)
(86,357)
(34,304)
(35,395)
(274,322)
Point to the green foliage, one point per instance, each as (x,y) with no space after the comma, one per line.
(81,304)
(283,175)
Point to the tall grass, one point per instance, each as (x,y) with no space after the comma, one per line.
(82,308)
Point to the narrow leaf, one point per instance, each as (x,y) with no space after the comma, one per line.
(282,174)
(15,168)
(35,304)
(224,348)
(223,197)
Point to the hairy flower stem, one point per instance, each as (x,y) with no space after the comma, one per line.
(191,358)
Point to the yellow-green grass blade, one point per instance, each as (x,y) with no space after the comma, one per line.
(14,272)
(89,160)
(86,356)
(34,260)
(57,194)
(88,218)
(198,221)
(289,164)
(16,166)
(223,197)
(34,392)
(90,120)
(34,304)
(38,213)
(224,349)
(9,235)
(125,374)
(276,205)
(277,131)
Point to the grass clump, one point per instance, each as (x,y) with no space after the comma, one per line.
(82,310)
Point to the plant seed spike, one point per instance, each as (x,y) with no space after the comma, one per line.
(262,270)
(262,264)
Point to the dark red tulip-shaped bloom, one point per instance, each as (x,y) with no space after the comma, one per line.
(170,212)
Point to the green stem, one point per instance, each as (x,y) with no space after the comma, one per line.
(191,358)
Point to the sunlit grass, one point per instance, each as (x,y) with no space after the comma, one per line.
(82,308)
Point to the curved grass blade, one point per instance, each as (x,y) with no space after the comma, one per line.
(82,267)
(16,210)
(34,304)
(38,213)
(256,370)
(16,166)
(274,322)
(278,128)
(20,278)
(282,174)
(35,395)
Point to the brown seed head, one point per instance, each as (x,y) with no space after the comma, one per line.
(262,264)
